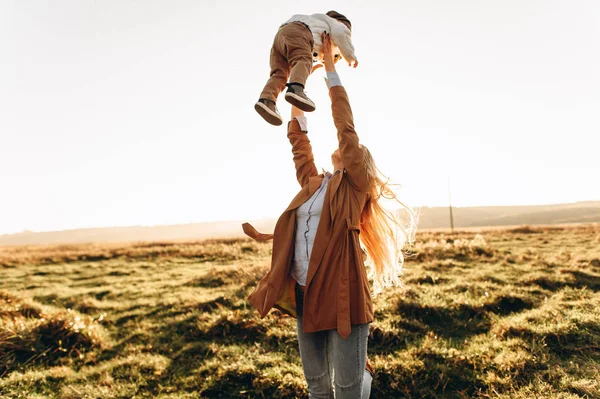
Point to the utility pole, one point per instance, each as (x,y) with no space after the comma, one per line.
(450,207)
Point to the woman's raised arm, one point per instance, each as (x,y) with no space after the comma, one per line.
(301,148)
(351,152)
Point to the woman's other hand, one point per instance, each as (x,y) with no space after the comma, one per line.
(327,50)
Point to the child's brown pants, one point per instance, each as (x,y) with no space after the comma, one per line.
(291,59)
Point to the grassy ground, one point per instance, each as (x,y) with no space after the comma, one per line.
(501,314)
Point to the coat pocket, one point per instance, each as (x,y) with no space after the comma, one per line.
(355,251)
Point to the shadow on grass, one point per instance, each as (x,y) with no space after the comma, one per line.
(253,384)
(217,278)
(219,304)
(382,341)
(577,279)
(232,384)
(231,327)
(438,377)
(584,340)
(248,384)
(191,341)
(460,321)
(428,280)
(505,305)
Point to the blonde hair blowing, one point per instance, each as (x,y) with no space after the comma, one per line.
(387,225)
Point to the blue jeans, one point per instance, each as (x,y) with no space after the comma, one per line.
(330,361)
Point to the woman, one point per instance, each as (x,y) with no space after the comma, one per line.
(317,272)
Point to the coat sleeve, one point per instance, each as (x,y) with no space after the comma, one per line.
(351,152)
(341,36)
(302,151)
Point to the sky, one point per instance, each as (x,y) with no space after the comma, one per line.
(123,112)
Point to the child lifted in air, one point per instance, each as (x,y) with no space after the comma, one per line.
(297,44)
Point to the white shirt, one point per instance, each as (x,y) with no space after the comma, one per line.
(308,216)
(341,35)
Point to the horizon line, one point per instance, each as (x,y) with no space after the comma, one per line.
(262,218)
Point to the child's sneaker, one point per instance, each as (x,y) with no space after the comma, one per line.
(295,96)
(268,110)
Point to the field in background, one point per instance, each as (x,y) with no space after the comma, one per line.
(430,218)
(497,314)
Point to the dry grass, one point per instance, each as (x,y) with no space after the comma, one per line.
(210,250)
(500,314)
(32,336)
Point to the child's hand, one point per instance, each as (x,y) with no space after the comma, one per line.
(315,67)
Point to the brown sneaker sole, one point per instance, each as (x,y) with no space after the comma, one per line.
(272,117)
(302,103)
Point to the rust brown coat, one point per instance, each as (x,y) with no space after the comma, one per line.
(337,289)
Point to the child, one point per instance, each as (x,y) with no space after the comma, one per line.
(297,43)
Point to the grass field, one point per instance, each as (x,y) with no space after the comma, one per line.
(499,314)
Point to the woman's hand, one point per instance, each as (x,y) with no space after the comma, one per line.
(327,53)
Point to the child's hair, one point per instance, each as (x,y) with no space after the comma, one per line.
(340,17)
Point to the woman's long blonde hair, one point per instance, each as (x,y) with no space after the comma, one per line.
(387,225)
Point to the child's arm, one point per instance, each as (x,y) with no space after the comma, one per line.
(301,148)
(342,37)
